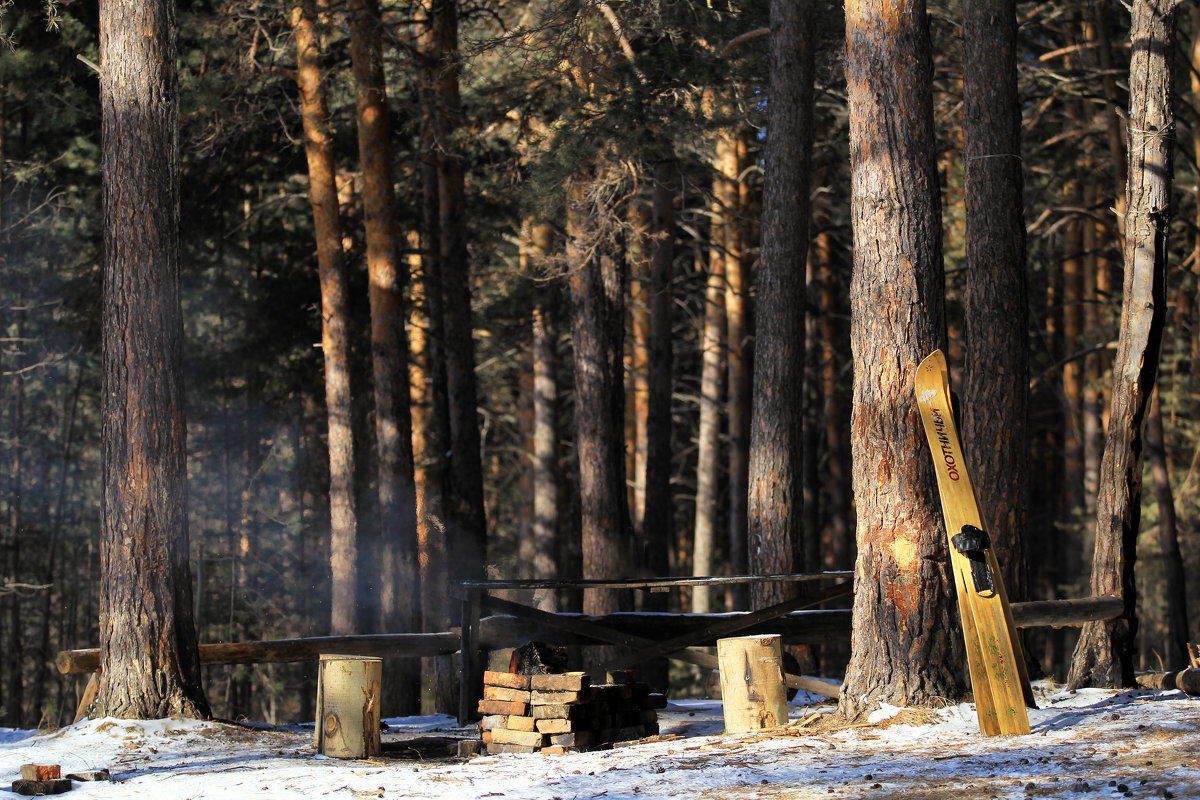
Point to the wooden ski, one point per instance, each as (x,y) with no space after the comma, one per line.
(999,679)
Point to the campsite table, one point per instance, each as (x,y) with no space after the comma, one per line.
(475,596)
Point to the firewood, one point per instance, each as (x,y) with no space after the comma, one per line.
(559,698)
(505,707)
(497,748)
(566,682)
(506,694)
(528,738)
(41,772)
(508,680)
(516,723)
(557,726)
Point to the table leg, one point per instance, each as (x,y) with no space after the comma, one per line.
(470,689)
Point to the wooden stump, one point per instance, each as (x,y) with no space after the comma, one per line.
(753,694)
(348,706)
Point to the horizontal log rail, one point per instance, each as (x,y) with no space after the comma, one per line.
(799,627)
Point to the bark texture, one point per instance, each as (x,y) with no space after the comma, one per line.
(1104,654)
(708,435)
(597,331)
(904,648)
(335,333)
(996,396)
(775,513)
(395,545)
(151,666)
(464,497)
(657,519)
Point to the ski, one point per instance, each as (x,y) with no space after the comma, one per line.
(999,679)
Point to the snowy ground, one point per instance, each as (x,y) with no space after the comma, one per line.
(1090,744)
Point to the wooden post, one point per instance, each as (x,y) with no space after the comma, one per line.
(348,706)
(753,694)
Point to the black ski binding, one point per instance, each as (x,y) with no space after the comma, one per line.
(973,543)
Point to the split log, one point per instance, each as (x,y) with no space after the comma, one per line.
(753,695)
(348,706)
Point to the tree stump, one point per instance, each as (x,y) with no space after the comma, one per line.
(753,694)
(348,706)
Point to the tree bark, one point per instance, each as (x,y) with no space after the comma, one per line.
(546,472)
(1104,653)
(597,330)
(151,668)
(903,651)
(657,534)
(335,334)
(738,353)
(708,435)
(464,498)
(396,545)
(997,385)
(1176,624)
(775,529)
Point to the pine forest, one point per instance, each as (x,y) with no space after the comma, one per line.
(597,289)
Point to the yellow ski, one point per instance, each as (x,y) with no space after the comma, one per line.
(999,679)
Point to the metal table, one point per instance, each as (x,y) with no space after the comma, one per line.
(475,598)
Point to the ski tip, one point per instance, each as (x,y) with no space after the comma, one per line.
(935,360)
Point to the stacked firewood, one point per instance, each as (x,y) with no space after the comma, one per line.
(564,712)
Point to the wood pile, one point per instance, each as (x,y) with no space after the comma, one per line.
(565,712)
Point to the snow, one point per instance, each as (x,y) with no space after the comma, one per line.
(1086,744)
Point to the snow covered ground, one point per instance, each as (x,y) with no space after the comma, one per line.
(1087,744)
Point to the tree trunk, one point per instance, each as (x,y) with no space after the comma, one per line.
(657,535)
(839,548)
(997,386)
(396,549)
(1104,653)
(464,498)
(903,651)
(151,668)
(708,436)
(637,407)
(546,473)
(737,340)
(775,530)
(335,334)
(1175,578)
(597,296)
(10,553)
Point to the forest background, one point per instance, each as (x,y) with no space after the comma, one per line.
(681,105)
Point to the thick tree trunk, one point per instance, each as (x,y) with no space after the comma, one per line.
(151,667)
(1104,654)
(775,529)
(904,651)
(396,545)
(464,498)
(335,334)
(997,386)
(598,296)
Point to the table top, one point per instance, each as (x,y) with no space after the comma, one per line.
(649,583)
